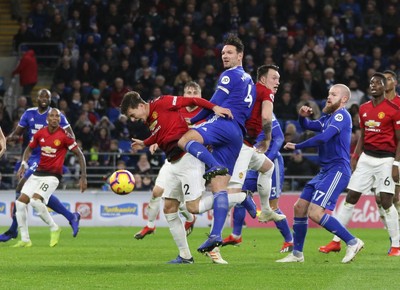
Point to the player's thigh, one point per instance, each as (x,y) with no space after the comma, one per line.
(364,177)
(41,185)
(226,139)
(241,166)
(185,179)
(329,187)
(257,160)
(384,180)
(162,177)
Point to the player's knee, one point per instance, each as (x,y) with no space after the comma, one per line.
(300,210)
(192,207)
(170,206)
(353,197)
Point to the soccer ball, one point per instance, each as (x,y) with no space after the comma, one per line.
(122,182)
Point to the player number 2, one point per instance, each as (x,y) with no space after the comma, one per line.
(44,186)
(249,97)
(186,187)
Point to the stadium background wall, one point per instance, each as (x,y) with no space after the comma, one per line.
(104,208)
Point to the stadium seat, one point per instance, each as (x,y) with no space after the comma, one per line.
(113,114)
(124,145)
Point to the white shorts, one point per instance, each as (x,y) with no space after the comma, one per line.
(42,185)
(248,158)
(183,179)
(161,179)
(372,172)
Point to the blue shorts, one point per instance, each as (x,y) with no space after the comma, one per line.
(325,188)
(225,137)
(278,177)
(33,163)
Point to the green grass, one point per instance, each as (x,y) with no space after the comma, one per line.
(110,258)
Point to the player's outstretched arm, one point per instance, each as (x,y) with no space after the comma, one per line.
(82,162)
(137,144)
(223,112)
(24,164)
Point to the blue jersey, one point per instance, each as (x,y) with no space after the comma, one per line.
(32,121)
(235,91)
(334,141)
(275,156)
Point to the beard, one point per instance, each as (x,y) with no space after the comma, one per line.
(330,108)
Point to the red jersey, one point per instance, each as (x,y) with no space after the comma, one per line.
(379,125)
(53,148)
(167,124)
(254,123)
(396,100)
(189,115)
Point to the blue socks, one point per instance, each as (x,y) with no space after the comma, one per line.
(56,205)
(283,227)
(335,227)
(200,152)
(239,213)
(220,208)
(300,227)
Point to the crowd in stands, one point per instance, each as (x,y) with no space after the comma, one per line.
(155,47)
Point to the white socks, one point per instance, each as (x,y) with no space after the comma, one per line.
(42,211)
(152,210)
(392,221)
(206,201)
(186,214)
(21,215)
(179,234)
(264,184)
(344,216)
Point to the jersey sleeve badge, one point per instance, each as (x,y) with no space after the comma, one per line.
(339,117)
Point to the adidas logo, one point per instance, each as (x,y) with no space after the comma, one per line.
(42,140)
(204,129)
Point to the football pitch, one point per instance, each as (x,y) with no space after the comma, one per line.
(110,258)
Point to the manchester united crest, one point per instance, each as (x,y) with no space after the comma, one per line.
(154,115)
(381,115)
(57,142)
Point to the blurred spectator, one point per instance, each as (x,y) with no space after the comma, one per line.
(57,27)
(86,74)
(138,182)
(85,134)
(300,166)
(328,79)
(356,95)
(143,165)
(99,104)
(22,106)
(391,20)
(5,119)
(147,183)
(311,86)
(285,107)
(371,17)
(39,18)
(181,79)
(117,93)
(24,34)
(27,69)
(64,72)
(121,131)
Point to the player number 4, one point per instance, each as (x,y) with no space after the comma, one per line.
(249,97)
